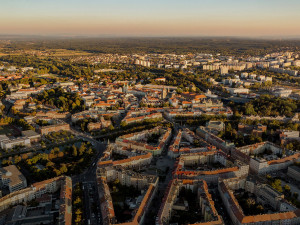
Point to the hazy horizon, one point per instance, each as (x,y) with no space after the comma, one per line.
(58,36)
(132,18)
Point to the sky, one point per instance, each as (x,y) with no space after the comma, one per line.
(245,18)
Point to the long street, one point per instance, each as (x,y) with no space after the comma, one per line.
(88,180)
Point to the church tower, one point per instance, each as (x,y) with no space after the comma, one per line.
(125,88)
(164,93)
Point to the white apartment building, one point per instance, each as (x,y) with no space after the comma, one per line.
(235,91)
(11,177)
(7,143)
(282,92)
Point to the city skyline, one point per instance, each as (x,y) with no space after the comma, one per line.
(140,18)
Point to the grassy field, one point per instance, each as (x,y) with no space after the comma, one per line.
(47,75)
(5,54)
(65,52)
(52,53)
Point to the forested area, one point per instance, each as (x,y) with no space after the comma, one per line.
(50,65)
(66,101)
(267,105)
(67,160)
(224,46)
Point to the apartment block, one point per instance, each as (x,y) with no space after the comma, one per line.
(11,177)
